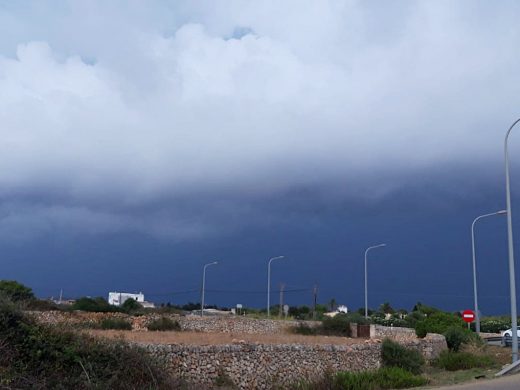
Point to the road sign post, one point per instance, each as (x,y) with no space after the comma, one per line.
(468,316)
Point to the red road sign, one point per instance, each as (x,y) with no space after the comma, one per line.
(468,316)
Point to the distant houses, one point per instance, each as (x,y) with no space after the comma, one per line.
(118,298)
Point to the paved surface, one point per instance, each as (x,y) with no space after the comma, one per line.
(511,382)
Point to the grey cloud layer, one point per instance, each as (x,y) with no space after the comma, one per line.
(142,102)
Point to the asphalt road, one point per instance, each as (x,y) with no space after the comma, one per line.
(511,382)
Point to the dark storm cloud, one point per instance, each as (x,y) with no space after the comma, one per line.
(124,116)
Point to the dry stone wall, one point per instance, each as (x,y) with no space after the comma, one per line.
(260,366)
(228,324)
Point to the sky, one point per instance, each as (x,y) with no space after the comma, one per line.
(142,140)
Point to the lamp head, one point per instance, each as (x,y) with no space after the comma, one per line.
(502,212)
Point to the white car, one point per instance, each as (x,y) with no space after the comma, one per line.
(507,336)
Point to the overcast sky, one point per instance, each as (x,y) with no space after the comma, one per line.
(179,123)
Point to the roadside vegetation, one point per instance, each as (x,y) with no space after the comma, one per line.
(41,357)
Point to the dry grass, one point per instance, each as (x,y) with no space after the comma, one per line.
(199,338)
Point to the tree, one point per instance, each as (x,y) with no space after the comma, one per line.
(333,304)
(16,291)
(386,308)
(131,305)
(98,304)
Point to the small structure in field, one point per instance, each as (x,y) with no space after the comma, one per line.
(340,309)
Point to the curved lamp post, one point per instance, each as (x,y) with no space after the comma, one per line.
(366,279)
(269,282)
(204,286)
(512,284)
(475,296)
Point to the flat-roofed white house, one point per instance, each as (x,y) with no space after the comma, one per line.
(118,298)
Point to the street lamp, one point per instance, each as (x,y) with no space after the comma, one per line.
(204,286)
(512,287)
(366,282)
(269,282)
(475,296)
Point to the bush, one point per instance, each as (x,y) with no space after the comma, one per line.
(304,329)
(384,378)
(98,304)
(337,325)
(15,291)
(36,356)
(41,305)
(456,336)
(131,306)
(494,325)
(437,322)
(163,324)
(453,361)
(395,355)
(398,378)
(115,323)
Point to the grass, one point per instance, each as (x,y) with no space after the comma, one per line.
(499,356)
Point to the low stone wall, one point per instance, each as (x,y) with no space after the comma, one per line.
(260,366)
(238,325)
(228,324)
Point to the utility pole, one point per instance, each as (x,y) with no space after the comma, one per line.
(315,301)
(61,295)
(282,286)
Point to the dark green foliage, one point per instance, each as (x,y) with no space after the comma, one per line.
(98,304)
(395,355)
(453,361)
(115,323)
(38,357)
(304,329)
(356,318)
(15,291)
(423,309)
(438,322)
(386,308)
(495,325)
(164,324)
(131,306)
(337,325)
(300,312)
(456,336)
(392,321)
(384,378)
(41,305)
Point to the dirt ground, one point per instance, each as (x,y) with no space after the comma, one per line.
(199,338)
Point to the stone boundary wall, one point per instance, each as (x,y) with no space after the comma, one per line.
(221,324)
(261,366)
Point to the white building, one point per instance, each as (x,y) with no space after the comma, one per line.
(118,298)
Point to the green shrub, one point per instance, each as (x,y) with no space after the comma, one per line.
(453,361)
(438,322)
(41,305)
(304,329)
(395,355)
(384,378)
(131,306)
(337,325)
(36,356)
(15,291)
(366,380)
(398,378)
(164,324)
(494,325)
(115,323)
(455,337)
(98,304)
